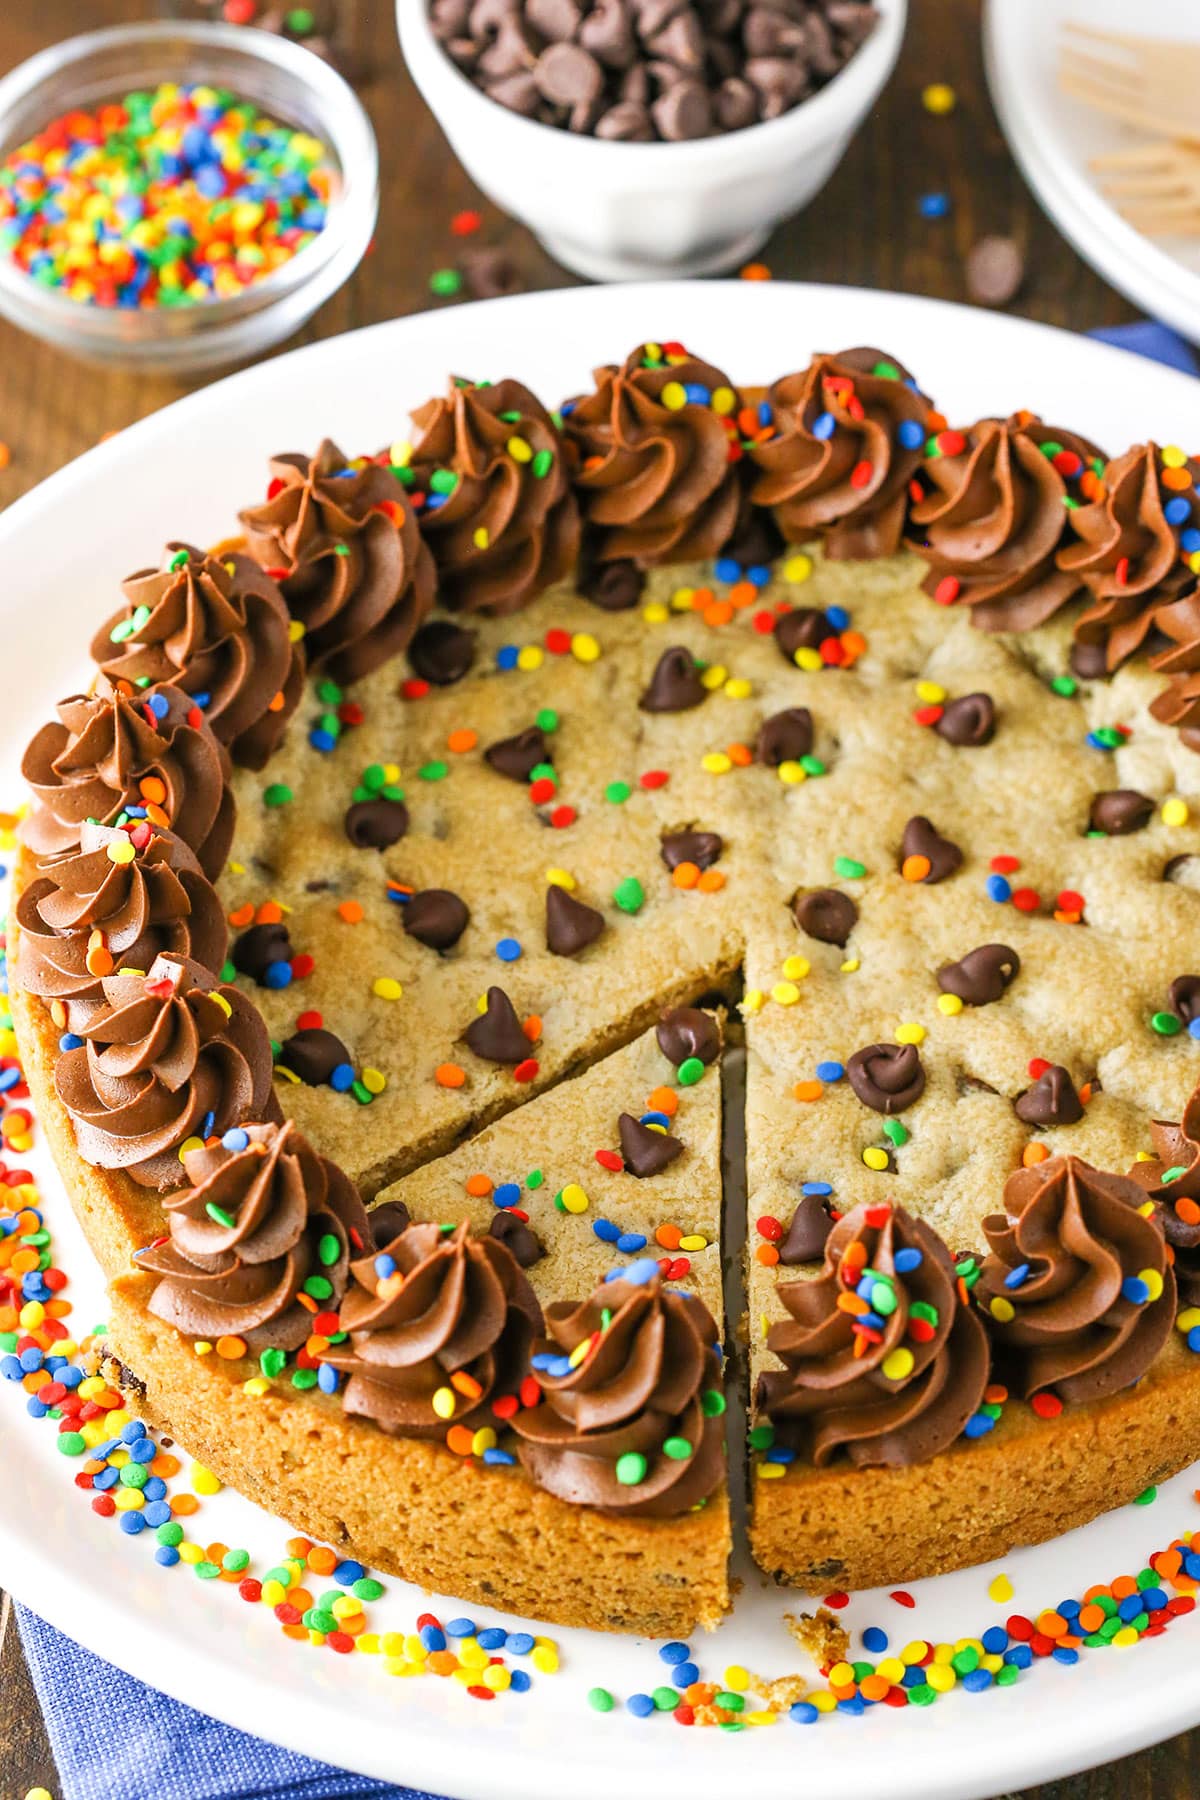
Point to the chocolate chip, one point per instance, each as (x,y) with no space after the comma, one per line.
(557,20)
(490,272)
(613,586)
(756,539)
(313,1054)
(807,1233)
(517,757)
(685,1032)
(785,737)
(646,1151)
(607,32)
(442,653)
(1120,811)
(994,271)
(700,847)
(628,122)
(1051,1100)
(376,824)
(1183,997)
(1089,661)
(825,914)
(570,924)
(968,721)
(387,1222)
(496,1034)
(921,838)
(683,112)
(255,951)
(567,76)
(435,917)
(675,685)
(804,628)
(888,1078)
(981,976)
(523,1244)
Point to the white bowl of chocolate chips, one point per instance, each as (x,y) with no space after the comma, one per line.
(648,138)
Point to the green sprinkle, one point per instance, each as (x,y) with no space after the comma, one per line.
(329,693)
(600,1700)
(547,719)
(1172,1174)
(666,1699)
(304,1379)
(272,1362)
(712,1403)
(206,1571)
(179,560)
(1066,685)
(1147,1497)
(849,868)
(71,1443)
(618,792)
(367,1588)
(219,1216)
(886,370)
(921,1309)
(762,1437)
(433,771)
(895,1132)
(329,1249)
(120,632)
(134,1475)
(677,1448)
(630,1468)
(689,1071)
(1006,1676)
(317,1288)
(535,1178)
(812,765)
(544,772)
(1106,735)
(924,1695)
(542,464)
(728,1702)
(629,895)
(446,282)
(235,1561)
(1166,1024)
(341,549)
(170,1534)
(443,481)
(277,794)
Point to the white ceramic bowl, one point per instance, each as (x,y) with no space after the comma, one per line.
(631,212)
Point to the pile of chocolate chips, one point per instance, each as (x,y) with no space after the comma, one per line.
(651,70)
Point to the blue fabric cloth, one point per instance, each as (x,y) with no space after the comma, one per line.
(1146,337)
(163,1750)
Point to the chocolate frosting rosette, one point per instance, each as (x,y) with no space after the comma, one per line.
(1077,1284)
(883,1361)
(849,434)
(656,449)
(1179,702)
(440,1325)
(996,516)
(631,1416)
(171,1055)
(1135,550)
(1171,1178)
(500,515)
(112,759)
(122,899)
(342,541)
(263,1221)
(218,628)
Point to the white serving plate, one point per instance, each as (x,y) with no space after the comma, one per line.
(182,474)
(1053,138)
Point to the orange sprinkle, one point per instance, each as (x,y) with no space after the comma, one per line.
(1188,1211)
(719,613)
(662,1099)
(875,1687)
(270,912)
(668,1236)
(442,1662)
(156,815)
(479,1185)
(767,1255)
(462,739)
(216,1552)
(740,755)
(532,1027)
(297,1632)
(915,868)
(241,915)
(230,1348)
(1052,1624)
(808,1090)
(462,1383)
(1178,480)
(685,874)
(742,594)
(755,272)
(1034,1153)
(322,1560)
(298,1546)
(185,1504)
(351,911)
(153,787)
(995,1394)
(1085,1092)
(853,643)
(1091,1618)
(711,881)
(449,1075)
(459,1439)
(276,703)
(307,1302)
(354,1624)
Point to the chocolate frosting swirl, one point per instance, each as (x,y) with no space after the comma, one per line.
(1128,553)
(431,1307)
(996,516)
(850,434)
(343,542)
(637,1403)
(169,1056)
(89,915)
(886,1388)
(655,463)
(215,627)
(509,527)
(263,1220)
(107,757)
(1057,1281)
(1177,1156)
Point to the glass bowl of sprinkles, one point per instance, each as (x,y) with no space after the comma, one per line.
(177,198)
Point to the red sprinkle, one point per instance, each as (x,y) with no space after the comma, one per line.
(1046,1406)
(654,778)
(1004,865)
(608,1159)
(562,816)
(837,1599)
(947,590)
(464,223)
(1026,899)
(902,1597)
(527,1070)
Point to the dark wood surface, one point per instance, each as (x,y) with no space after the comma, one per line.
(864,229)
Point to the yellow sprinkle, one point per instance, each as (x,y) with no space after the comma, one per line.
(910,1033)
(723,400)
(374,1080)
(1126,1635)
(400,453)
(949,1004)
(941,1677)
(392,1643)
(222,1002)
(367,1643)
(931,692)
(204,1481)
(573,1198)
(497,1677)
(202,1347)
(797,568)
(714,676)
(256,1387)
(1002,1309)
(519,450)
(346,1606)
(530,656)
(129,1500)
(191,1553)
(851,964)
(480,537)
(584,647)
(716,763)
(760,1718)
(1173,457)
(1153,1281)
(121,850)
(737,1679)
(841,1675)
(674,396)
(1000,1589)
(938,98)
(544,1656)
(1188,1319)
(391,772)
(823,1700)
(785,993)
(809,660)
(738,688)
(484,1439)
(898,1365)
(796,967)
(385,987)
(681,599)
(753,1001)
(891,1668)
(1175,812)
(791,773)
(695,1240)
(273,1593)
(288,1074)
(560,878)
(444,1403)
(656,613)
(296,630)
(874,1157)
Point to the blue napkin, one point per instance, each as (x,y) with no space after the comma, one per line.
(1146,337)
(156,1746)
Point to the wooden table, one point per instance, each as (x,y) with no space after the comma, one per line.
(51,409)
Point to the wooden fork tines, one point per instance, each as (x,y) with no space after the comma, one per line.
(1150,82)
(1155,186)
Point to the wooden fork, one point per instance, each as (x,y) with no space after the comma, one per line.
(1151,82)
(1155,186)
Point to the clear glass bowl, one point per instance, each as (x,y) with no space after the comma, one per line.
(289,83)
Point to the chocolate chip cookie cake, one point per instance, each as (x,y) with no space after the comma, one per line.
(391,891)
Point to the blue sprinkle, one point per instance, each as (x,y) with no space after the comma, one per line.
(855,1706)
(321,739)
(642,1271)
(499,1458)
(1069,1609)
(132,1523)
(823,1188)
(236,1138)
(779,1454)
(909,434)
(156,1513)
(1134,1289)
(838,617)
(507,1194)
(385,1266)
(342,1078)
(520,1682)
(434,1638)
(905,1261)
(913,1677)
(144,1451)
(656,1118)
(998,888)
(1194,1028)
(1130,1607)
(975,1680)
(208,1124)
(1193,1339)
(1096,743)
(824,426)
(640,1705)
(875,1640)
(630,1242)
(684,1673)
(328,1379)
(1189,540)
(1017,1277)
(158,705)
(461,1628)
(674,1652)
(506,656)
(348,1572)
(508,950)
(978,1425)
(830,1071)
(1153,1599)
(37,1409)
(105,1479)
(1019,1657)
(933,206)
(606,1231)
(519,1643)
(765,415)
(1062,1653)
(995,1640)
(802,1713)
(68,1041)
(166,1556)
(758,575)
(727,569)
(277,975)
(1177,510)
